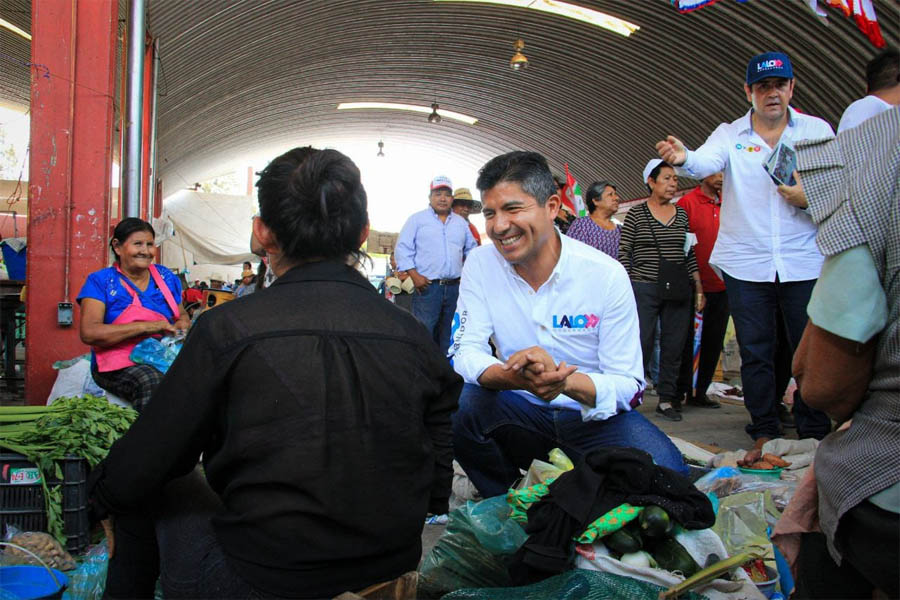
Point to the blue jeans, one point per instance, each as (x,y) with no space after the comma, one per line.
(435,307)
(497,433)
(755,308)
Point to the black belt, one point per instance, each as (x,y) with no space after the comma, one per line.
(446,281)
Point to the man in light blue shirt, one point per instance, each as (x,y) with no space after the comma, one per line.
(431,248)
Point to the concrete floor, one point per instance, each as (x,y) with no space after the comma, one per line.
(722,427)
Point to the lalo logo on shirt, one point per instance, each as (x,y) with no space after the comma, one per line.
(575,321)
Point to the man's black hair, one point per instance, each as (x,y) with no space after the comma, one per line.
(528,169)
(883,71)
(125,228)
(595,191)
(314,203)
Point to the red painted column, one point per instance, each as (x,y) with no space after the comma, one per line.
(71,160)
(145,129)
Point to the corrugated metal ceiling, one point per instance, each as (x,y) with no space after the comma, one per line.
(241,75)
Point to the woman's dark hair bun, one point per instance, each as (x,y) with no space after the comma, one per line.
(314,202)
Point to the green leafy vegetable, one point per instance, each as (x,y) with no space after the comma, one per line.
(83,426)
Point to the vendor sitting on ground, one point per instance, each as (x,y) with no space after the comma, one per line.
(124,304)
(321,457)
(562,316)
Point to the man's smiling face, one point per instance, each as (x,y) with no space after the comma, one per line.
(516,223)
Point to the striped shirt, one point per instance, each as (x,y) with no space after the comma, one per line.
(638,250)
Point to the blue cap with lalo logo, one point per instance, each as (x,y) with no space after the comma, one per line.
(770,64)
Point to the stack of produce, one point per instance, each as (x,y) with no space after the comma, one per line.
(648,542)
(84,426)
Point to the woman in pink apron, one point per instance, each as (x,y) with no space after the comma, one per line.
(124,304)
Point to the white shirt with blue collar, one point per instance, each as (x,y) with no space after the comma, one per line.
(434,248)
(760,234)
(584,314)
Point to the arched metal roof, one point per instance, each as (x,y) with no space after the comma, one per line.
(241,75)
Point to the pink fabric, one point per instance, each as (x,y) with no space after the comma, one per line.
(800,516)
(118,357)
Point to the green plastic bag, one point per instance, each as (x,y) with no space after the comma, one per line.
(474,550)
(579,584)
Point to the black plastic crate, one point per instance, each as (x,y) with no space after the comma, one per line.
(22,498)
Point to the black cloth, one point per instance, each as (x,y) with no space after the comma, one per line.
(673,317)
(605,479)
(323,415)
(869,540)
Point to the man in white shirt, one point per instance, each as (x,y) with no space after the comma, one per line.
(563,319)
(882,87)
(766,248)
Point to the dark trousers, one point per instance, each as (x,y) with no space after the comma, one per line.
(175,543)
(755,307)
(134,384)
(435,307)
(496,433)
(712,338)
(868,538)
(673,329)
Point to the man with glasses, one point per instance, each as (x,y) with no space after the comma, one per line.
(766,247)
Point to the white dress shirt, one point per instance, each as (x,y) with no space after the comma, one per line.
(760,234)
(584,314)
(862,110)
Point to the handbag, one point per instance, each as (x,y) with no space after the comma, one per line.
(672,280)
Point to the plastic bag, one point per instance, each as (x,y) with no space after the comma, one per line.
(579,584)
(744,519)
(698,543)
(159,354)
(88,581)
(728,481)
(473,550)
(38,542)
(74,379)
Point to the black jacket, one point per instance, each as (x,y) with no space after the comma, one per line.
(323,415)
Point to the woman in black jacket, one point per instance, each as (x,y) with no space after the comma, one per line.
(321,411)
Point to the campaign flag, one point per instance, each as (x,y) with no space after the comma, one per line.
(698,335)
(574,200)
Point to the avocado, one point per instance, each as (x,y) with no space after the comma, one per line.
(622,541)
(672,556)
(655,522)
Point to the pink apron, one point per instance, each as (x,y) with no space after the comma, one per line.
(117,357)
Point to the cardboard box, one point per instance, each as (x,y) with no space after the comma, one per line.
(381,242)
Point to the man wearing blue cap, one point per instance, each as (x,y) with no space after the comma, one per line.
(431,247)
(766,248)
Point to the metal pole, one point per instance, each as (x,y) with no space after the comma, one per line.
(151,197)
(131,162)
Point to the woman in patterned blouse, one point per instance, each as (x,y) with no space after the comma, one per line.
(597,229)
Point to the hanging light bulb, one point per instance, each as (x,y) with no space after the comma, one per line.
(434,117)
(518,61)
(380,149)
